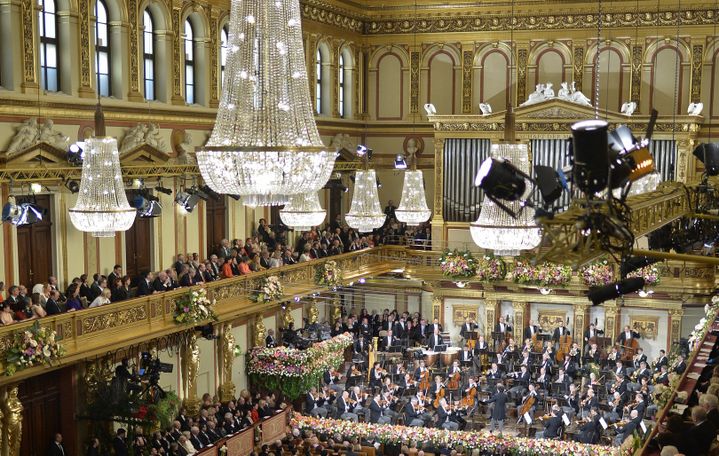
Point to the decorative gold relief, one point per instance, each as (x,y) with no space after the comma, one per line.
(439,176)
(191,368)
(459,313)
(578,65)
(12,409)
(259,331)
(467,60)
(214,62)
(84,25)
(28,45)
(646,326)
(696,87)
(414,82)
(286,317)
(227,388)
(176,55)
(113,319)
(549,320)
(333,18)
(134,53)
(636,83)
(522,56)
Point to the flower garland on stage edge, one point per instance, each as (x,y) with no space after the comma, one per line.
(650,274)
(485,444)
(597,274)
(544,275)
(34,346)
(491,268)
(328,274)
(270,290)
(194,307)
(294,371)
(458,264)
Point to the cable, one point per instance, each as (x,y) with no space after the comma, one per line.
(597,61)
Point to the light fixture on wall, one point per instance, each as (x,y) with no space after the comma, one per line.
(303,212)
(102,207)
(506,227)
(265,145)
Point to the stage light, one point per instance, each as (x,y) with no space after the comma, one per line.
(76,153)
(604,293)
(400,162)
(633,263)
(235,197)
(361,149)
(186,200)
(147,205)
(550,183)
(22,214)
(35,188)
(164,190)
(430,109)
(708,154)
(210,193)
(198,193)
(72,185)
(590,155)
(138,183)
(501,180)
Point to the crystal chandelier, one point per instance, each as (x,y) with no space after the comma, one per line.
(102,207)
(303,212)
(365,212)
(413,208)
(495,229)
(265,145)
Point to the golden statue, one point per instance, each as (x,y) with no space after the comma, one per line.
(286,317)
(260,331)
(12,410)
(192,369)
(314,313)
(336,309)
(227,389)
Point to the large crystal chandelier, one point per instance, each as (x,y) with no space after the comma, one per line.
(495,229)
(102,207)
(365,212)
(413,208)
(303,211)
(265,145)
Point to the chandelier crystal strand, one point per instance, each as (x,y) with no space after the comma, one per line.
(102,207)
(265,145)
(413,208)
(495,229)
(365,212)
(303,212)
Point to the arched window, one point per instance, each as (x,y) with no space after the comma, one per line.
(318,88)
(224,39)
(148,54)
(341,82)
(49,75)
(189,64)
(102,48)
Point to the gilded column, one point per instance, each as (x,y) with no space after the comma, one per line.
(363,81)
(226,350)
(214,59)
(521,309)
(28,8)
(491,310)
(414,59)
(190,370)
(696,85)
(437,221)
(581,316)
(313,313)
(635,87)
(521,71)
(86,89)
(437,303)
(2,426)
(612,314)
(286,317)
(675,325)
(467,65)
(177,34)
(134,40)
(578,66)
(685,170)
(334,77)
(336,308)
(357,75)
(259,332)
(12,421)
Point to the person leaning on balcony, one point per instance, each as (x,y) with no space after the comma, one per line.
(227,267)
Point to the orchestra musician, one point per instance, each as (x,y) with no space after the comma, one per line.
(613,355)
(531,330)
(619,385)
(497,411)
(388,341)
(628,429)
(365,330)
(400,328)
(544,379)
(361,346)
(619,369)
(531,393)
(357,400)
(455,369)
(375,376)
(344,409)
(421,331)
(494,373)
(547,363)
(590,333)
(572,399)
(377,408)
(638,375)
(661,360)
(616,408)
(679,366)
(411,413)
(480,349)
(639,357)
(590,401)
(444,418)
(639,405)
(569,366)
(332,379)
(465,356)
(314,404)
(551,426)
(435,339)
(563,379)
(435,326)
(589,431)
(467,328)
(593,354)
(437,387)
(522,380)
(421,369)
(662,377)
(627,335)
(501,326)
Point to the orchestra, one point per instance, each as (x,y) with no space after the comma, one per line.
(549,384)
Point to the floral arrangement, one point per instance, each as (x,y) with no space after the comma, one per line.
(194,307)
(328,274)
(162,412)
(701,328)
(597,274)
(491,268)
(294,371)
(485,444)
(458,264)
(650,274)
(33,346)
(544,275)
(270,290)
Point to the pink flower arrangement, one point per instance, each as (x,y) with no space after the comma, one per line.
(544,275)
(490,268)
(34,346)
(458,264)
(650,274)
(597,274)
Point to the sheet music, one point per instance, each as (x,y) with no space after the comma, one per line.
(693,375)
(603,423)
(527,418)
(643,426)
(565,418)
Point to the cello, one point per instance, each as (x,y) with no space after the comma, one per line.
(439,397)
(453,382)
(526,406)
(565,344)
(469,399)
(630,349)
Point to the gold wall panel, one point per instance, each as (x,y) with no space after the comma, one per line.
(549,320)
(646,326)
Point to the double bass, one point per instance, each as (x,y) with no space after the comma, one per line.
(630,349)
(565,344)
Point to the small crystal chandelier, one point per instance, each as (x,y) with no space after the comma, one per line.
(102,207)
(265,145)
(413,208)
(365,212)
(495,229)
(303,212)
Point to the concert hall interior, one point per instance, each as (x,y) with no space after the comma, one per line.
(359,227)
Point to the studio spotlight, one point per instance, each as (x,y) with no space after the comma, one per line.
(235,197)
(76,153)
(210,193)
(138,183)
(361,149)
(147,205)
(501,180)
(590,155)
(10,210)
(633,263)
(604,293)
(35,188)
(400,162)
(550,183)
(164,190)
(708,154)
(186,200)
(72,185)
(198,193)
(22,214)
(430,109)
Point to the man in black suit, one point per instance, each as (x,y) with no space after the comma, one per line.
(144,287)
(13,300)
(662,360)
(114,275)
(161,282)
(560,331)
(501,326)
(435,326)
(628,429)
(314,404)
(627,335)
(679,365)
(467,328)
(388,341)
(589,432)
(400,328)
(360,346)
(531,330)
(376,412)
(51,305)
(195,438)
(119,443)
(99,283)
(435,340)
(411,413)
(551,426)
(422,330)
(589,333)
(56,448)
(270,341)
(344,409)
(700,436)
(498,411)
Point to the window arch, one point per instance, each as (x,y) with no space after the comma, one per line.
(318,86)
(224,40)
(345,82)
(102,49)
(341,84)
(148,54)
(49,61)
